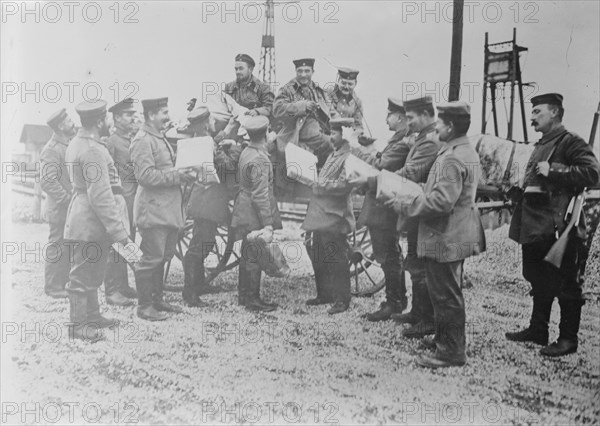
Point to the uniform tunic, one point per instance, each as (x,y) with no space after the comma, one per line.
(57,186)
(536,222)
(330,218)
(97,215)
(450,230)
(348,106)
(255,95)
(157,207)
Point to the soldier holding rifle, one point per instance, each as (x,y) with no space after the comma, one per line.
(559,168)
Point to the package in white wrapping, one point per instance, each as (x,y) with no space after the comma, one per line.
(393,186)
(223,108)
(355,167)
(198,153)
(301,165)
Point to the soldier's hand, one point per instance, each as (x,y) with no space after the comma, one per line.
(312,106)
(226,143)
(186,177)
(266,234)
(219,136)
(358,180)
(543,168)
(365,140)
(251,113)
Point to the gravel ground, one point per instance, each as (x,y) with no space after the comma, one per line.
(296,365)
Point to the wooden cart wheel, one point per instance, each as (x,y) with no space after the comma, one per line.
(223,256)
(366,274)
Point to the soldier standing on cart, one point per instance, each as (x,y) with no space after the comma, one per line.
(255,213)
(382,220)
(116,282)
(561,166)
(208,206)
(96,219)
(57,186)
(330,218)
(157,208)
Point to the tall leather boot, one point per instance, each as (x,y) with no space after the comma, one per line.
(323,296)
(254,302)
(570,318)
(158,294)
(93,312)
(193,280)
(395,294)
(537,332)
(79,327)
(424,316)
(144,282)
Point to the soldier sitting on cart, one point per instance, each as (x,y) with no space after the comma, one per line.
(208,206)
(330,218)
(304,110)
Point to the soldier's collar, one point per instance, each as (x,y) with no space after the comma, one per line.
(122,133)
(427,129)
(86,134)
(61,139)
(149,129)
(551,135)
(461,140)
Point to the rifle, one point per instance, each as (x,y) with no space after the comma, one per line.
(557,251)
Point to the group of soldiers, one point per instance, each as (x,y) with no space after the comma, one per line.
(135,185)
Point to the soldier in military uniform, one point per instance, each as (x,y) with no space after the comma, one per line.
(116,282)
(57,186)
(304,108)
(449,231)
(382,220)
(561,165)
(248,91)
(208,205)
(330,218)
(157,207)
(255,212)
(96,219)
(344,98)
(421,121)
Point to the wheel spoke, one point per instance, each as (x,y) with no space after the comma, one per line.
(356,280)
(368,275)
(364,236)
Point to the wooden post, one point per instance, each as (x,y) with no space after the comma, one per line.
(485,85)
(456,58)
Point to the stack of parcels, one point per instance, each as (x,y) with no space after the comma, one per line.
(355,168)
(198,154)
(392,186)
(301,165)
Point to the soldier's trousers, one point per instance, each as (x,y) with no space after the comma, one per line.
(158,247)
(328,253)
(548,281)
(116,272)
(203,239)
(57,258)
(388,253)
(444,285)
(89,260)
(421,305)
